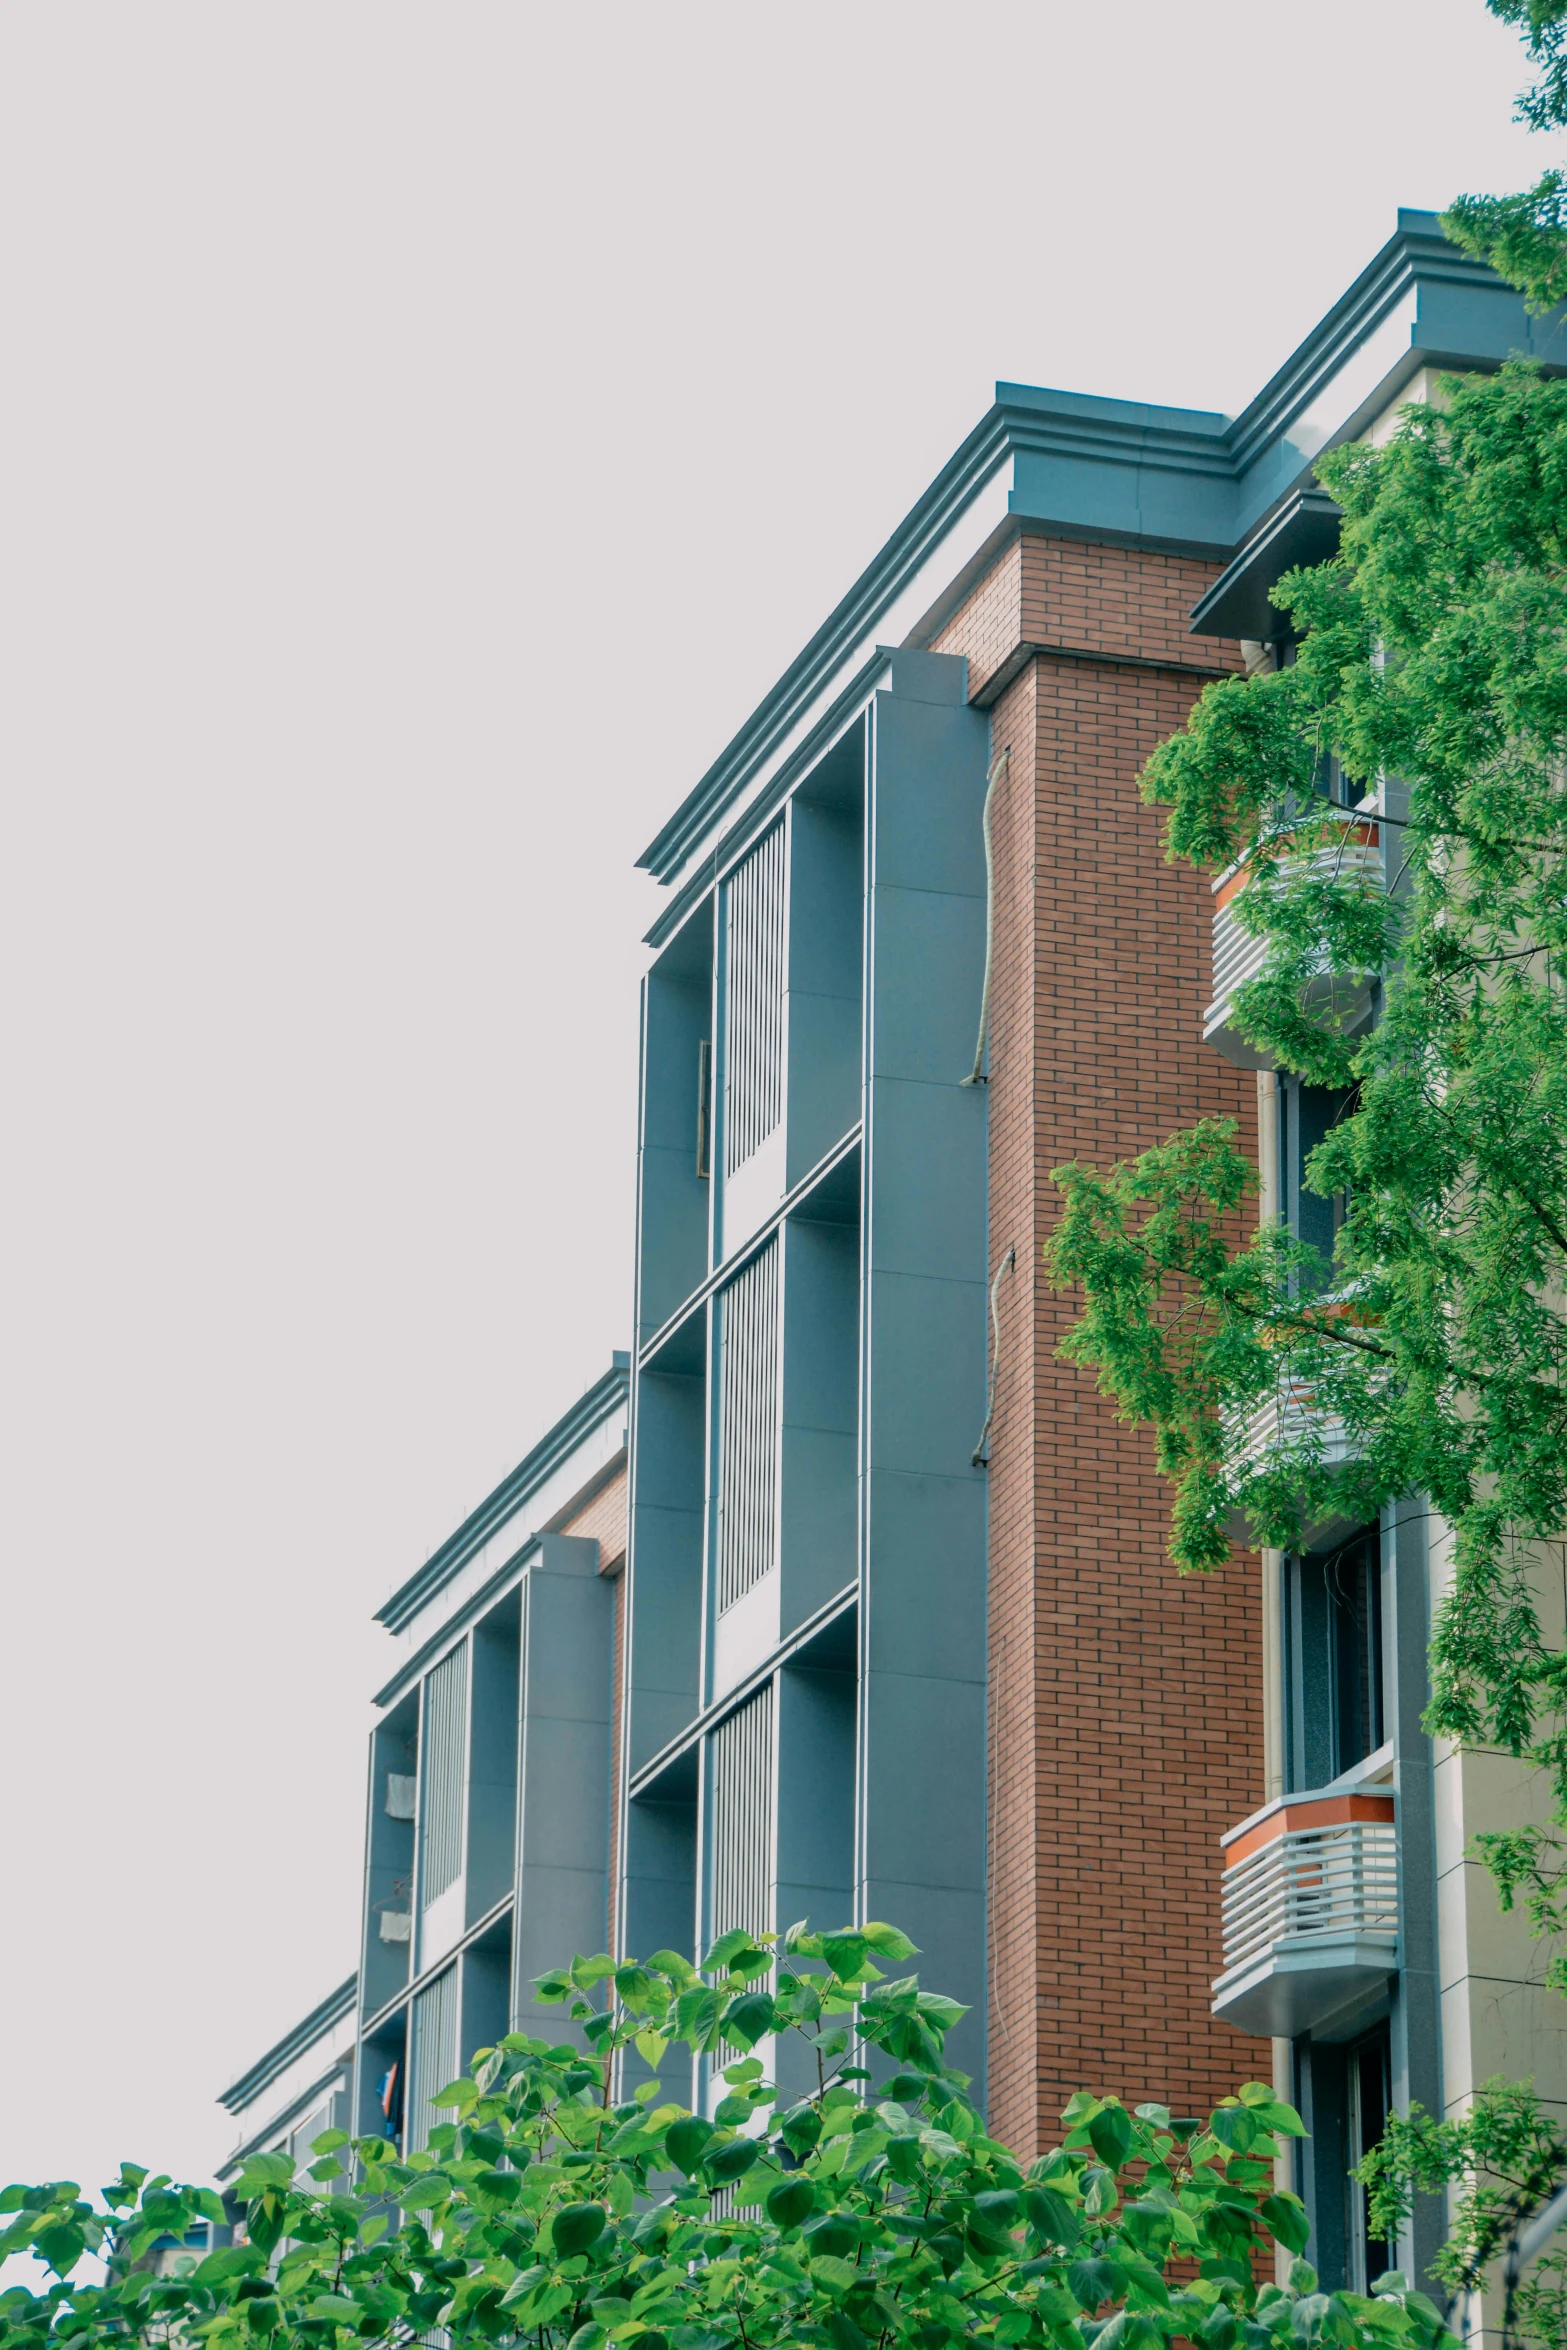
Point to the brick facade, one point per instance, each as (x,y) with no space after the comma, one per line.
(603,1520)
(1125,1702)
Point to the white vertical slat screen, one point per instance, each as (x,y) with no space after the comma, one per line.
(435,2055)
(742,1846)
(444,1763)
(753,1001)
(748,1427)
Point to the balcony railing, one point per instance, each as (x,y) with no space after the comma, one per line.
(1285,1419)
(1238,956)
(1310,1910)
(1295,1420)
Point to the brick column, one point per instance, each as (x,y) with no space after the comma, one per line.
(1126,1719)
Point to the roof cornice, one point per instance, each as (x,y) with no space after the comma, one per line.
(1356,314)
(589,1412)
(1025,420)
(293,2045)
(964,473)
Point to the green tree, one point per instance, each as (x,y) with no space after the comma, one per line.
(1525,236)
(1429,1355)
(562,2205)
(1432,1349)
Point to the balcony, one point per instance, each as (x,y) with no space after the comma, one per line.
(1310,1908)
(1282,1422)
(1238,957)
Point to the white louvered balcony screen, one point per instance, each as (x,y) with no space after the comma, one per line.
(435,2055)
(1311,1884)
(748,1427)
(443,1760)
(753,1001)
(742,1845)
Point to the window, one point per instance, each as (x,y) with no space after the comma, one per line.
(1334,1661)
(753,1001)
(1370,2095)
(748,1428)
(445,1757)
(742,1763)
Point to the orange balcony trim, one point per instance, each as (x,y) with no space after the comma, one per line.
(1320,1811)
(1228,885)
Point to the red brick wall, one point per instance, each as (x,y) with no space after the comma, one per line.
(1125,1703)
(1075,597)
(603,1520)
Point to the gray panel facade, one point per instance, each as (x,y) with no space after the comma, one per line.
(877,1207)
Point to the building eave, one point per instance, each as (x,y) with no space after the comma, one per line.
(960,479)
(1185,481)
(589,1412)
(291,2047)
(1026,420)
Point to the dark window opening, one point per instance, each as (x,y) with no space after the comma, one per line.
(1306,1116)
(1354,1581)
(1334,1662)
(1370,2095)
(1330,782)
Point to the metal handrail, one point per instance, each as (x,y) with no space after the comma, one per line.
(1238,954)
(1338,1880)
(1282,1420)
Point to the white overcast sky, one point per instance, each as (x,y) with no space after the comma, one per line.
(424,434)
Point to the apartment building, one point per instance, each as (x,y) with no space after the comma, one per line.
(875,1661)
(489,1800)
(895,1634)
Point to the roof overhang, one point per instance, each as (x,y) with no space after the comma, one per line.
(1170,479)
(1304,530)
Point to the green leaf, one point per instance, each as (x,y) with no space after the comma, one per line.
(845,1954)
(587,1972)
(669,1962)
(463,2093)
(732,2161)
(1235,2126)
(576,2227)
(791,2203)
(748,2018)
(1111,2133)
(837,2274)
(1051,2216)
(431,2188)
(266,2170)
(1274,2114)
(888,1942)
(1098,2191)
(726,1950)
(836,2232)
(684,2141)
(1093,2282)
(62,2245)
(1284,2216)
(998,2208)
(497,2187)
